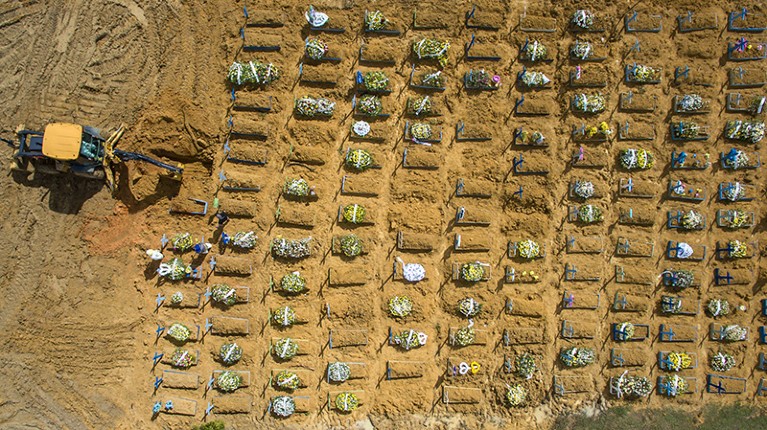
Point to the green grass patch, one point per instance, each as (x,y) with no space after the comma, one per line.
(714,417)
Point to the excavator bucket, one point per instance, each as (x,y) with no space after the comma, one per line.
(110,158)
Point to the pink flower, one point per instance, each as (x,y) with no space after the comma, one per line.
(496,79)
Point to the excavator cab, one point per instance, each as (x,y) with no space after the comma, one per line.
(79,150)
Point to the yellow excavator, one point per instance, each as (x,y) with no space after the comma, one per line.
(79,150)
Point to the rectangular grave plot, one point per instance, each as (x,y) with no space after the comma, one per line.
(256,40)
(415,242)
(519,335)
(348,276)
(295,216)
(638,102)
(369,217)
(524,308)
(180,380)
(357,185)
(589,76)
(168,354)
(685,76)
(472,242)
(484,19)
(744,77)
(633,275)
(243,374)
(396,369)
(665,387)
(641,248)
(533,106)
(677,305)
(636,216)
(234,266)
(235,181)
(242,152)
(229,326)
(239,208)
(626,302)
(537,24)
(304,377)
(310,155)
(580,299)
(697,21)
(323,74)
(636,131)
(233,404)
(628,357)
(337,240)
(680,106)
(461,395)
(472,132)
(618,333)
(481,49)
(583,273)
(643,22)
(678,333)
(590,158)
(665,364)
(739,51)
(513,275)
(431,19)
(487,271)
(345,338)
(376,52)
(575,329)
(306,348)
(248,101)
(580,244)
(728,276)
(564,385)
(722,384)
(417,157)
(474,216)
(481,337)
(597,191)
(474,188)
(639,189)
(753,104)
(536,165)
(181,406)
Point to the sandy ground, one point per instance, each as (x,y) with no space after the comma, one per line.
(79,314)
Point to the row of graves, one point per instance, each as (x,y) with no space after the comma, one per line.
(695,293)
(289,347)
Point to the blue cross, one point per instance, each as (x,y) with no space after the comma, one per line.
(666,335)
(233,96)
(159,330)
(156,359)
(164,241)
(569,301)
(221,176)
(632,18)
(160,299)
(208,409)
(471,42)
(518,193)
(208,325)
(157,382)
(245,12)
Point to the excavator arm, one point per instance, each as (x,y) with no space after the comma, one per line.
(114,156)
